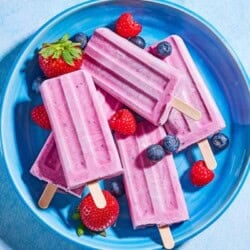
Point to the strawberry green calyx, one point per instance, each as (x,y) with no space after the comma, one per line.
(64,48)
(76,216)
(80,230)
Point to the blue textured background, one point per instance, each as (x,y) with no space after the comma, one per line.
(19,228)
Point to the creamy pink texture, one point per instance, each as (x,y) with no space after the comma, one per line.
(109,103)
(47,167)
(154,192)
(195,92)
(84,141)
(131,75)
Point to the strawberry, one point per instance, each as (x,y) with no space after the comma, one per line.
(123,122)
(126,26)
(40,116)
(60,57)
(200,175)
(97,219)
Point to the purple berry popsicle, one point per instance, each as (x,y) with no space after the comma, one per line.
(84,141)
(134,77)
(47,167)
(153,191)
(196,92)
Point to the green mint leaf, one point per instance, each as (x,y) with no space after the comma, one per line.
(67,57)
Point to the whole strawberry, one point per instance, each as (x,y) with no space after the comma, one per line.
(123,122)
(97,219)
(200,175)
(40,116)
(126,26)
(60,57)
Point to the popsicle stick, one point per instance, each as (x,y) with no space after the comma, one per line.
(166,237)
(47,195)
(186,109)
(97,194)
(207,154)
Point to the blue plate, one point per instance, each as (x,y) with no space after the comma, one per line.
(21,140)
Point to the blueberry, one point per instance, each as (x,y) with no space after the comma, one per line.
(81,38)
(163,49)
(117,188)
(219,141)
(155,152)
(36,84)
(171,143)
(139,41)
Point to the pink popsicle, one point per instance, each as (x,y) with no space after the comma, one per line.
(84,141)
(154,192)
(131,75)
(47,166)
(109,103)
(196,92)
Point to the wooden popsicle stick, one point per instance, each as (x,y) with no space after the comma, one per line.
(97,194)
(166,237)
(186,109)
(207,154)
(47,195)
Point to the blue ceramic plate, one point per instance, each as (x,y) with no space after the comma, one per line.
(21,139)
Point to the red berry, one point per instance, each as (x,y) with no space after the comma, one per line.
(126,26)
(60,57)
(123,122)
(200,175)
(97,219)
(40,117)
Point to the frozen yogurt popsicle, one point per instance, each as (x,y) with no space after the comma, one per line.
(134,77)
(154,192)
(195,91)
(82,135)
(47,167)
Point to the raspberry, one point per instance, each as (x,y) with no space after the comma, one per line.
(126,26)
(200,175)
(123,122)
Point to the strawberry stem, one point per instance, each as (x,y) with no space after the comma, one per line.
(63,47)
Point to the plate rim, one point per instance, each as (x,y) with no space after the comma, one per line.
(68,11)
